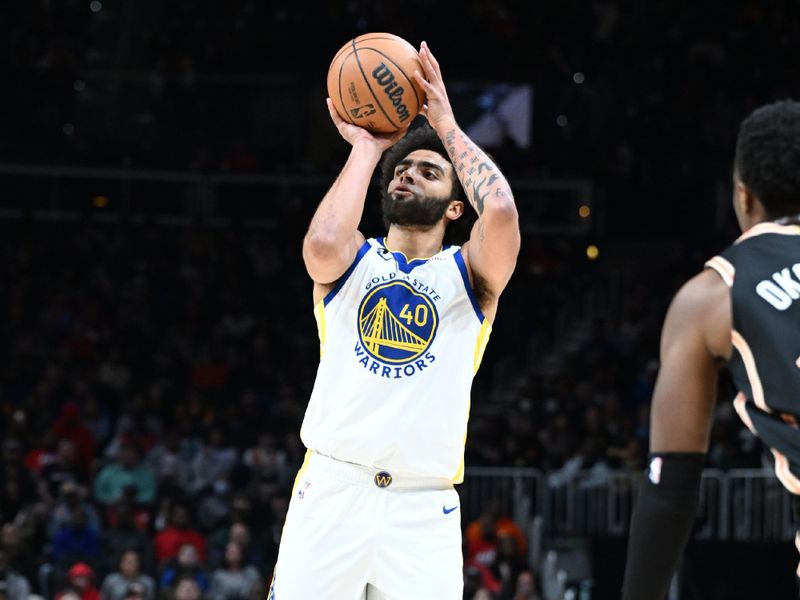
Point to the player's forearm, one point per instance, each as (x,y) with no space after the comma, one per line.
(486,187)
(338,215)
(661,524)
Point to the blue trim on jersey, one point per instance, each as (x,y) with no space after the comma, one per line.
(405,265)
(462,266)
(359,255)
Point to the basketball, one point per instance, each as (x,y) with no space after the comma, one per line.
(371,82)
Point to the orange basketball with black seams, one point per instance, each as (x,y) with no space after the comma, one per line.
(371,82)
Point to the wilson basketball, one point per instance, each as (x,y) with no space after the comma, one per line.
(371,82)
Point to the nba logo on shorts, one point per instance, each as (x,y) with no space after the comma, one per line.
(302,492)
(654,473)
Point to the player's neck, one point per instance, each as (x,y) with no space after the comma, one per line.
(415,242)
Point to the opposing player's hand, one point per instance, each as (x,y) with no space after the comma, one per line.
(355,134)
(437,110)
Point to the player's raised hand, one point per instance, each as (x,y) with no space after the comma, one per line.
(355,134)
(437,110)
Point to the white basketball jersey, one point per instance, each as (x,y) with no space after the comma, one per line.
(400,343)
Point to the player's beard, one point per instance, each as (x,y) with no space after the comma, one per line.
(413,210)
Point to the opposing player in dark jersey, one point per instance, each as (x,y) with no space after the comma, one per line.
(743,310)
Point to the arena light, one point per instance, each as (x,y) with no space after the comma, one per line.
(592,252)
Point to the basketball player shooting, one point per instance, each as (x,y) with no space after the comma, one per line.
(743,310)
(403,321)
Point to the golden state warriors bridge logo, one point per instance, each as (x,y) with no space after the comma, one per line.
(396,326)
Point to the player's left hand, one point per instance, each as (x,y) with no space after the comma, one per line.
(437,110)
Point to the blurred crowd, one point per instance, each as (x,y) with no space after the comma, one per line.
(154,380)
(644,99)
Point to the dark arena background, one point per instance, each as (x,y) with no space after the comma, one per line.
(159,164)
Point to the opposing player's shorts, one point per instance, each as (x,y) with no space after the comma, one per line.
(356,533)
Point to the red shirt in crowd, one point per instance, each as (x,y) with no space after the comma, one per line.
(169,541)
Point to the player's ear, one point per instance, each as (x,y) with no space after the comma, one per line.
(455,209)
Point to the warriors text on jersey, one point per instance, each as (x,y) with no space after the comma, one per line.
(400,343)
(763,271)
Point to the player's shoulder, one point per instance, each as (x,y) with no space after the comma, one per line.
(701,293)
(702,305)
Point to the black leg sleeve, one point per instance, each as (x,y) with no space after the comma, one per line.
(661,523)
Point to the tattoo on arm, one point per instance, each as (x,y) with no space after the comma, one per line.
(479,176)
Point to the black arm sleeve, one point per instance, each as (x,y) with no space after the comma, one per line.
(661,523)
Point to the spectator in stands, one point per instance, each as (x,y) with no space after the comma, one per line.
(17,483)
(266,459)
(186,588)
(71,498)
(16,586)
(118,585)
(526,587)
(178,534)
(236,580)
(170,462)
(80,580)
(187,564)
(213,462)
(64,466)
(126,472)
(76,541)
(19,551)
(124,535)
(69,426)
(492,522)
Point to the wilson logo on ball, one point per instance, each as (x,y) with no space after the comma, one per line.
(385,78)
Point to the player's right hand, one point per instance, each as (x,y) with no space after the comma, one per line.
(355,134)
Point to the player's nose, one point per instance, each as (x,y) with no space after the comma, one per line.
(407,176)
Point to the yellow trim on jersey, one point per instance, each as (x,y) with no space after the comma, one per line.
(319,315)
(480,344)
(480,347)
(300,473)
(459,476)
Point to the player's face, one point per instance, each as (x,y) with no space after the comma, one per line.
(420,191)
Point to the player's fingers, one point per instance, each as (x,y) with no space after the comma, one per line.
(332,112)
(424,59)
(423,82)
(432,59)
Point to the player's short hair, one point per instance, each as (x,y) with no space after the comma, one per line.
(768,156)
(425,138)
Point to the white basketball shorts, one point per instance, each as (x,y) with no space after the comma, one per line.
(357,533)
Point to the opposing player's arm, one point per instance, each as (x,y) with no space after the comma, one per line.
(333,239)
(495,240)
(695,339)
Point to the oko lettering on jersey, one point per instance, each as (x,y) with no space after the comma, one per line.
(397,323)
(782,289)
